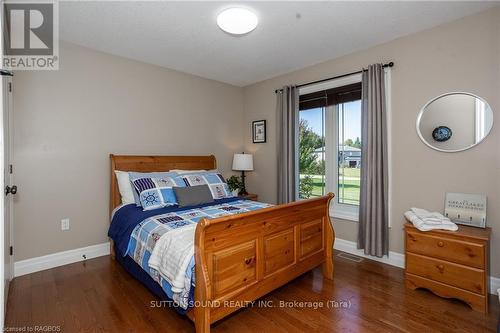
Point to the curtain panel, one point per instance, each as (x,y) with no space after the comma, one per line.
(287,110)
(373,228)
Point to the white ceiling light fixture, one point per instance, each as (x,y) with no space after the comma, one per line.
(237,20)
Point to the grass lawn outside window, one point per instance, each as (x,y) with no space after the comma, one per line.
(349,185)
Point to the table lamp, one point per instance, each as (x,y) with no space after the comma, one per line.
(243,162)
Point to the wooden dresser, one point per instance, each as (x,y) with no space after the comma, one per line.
(452,264)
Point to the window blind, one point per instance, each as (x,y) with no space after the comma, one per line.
(324,98)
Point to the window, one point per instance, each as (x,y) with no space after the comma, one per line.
(312,175)
(349,152)
(330,146)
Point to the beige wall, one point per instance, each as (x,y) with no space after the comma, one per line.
(460,56)
(67,122)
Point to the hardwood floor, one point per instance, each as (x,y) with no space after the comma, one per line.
(99,296)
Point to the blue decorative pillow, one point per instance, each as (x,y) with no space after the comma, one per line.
(215,181)
(136,175)
(157,192)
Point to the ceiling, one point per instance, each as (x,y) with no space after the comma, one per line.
(290,35)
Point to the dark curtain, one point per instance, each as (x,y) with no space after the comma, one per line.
(373,228)
(287,109)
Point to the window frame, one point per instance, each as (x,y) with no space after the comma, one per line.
(332,143)
(337,210)
(344,212)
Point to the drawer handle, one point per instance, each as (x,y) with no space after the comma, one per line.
(441,268)
(248,261)
(440,244)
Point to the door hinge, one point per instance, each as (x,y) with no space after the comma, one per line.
(10,86)
(11,249)
(10,168)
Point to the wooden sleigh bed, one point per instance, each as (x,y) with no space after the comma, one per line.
(240,258)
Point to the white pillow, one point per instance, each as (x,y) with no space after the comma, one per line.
(125,187)
(180,171)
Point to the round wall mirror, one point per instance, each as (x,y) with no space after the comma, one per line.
(454,122)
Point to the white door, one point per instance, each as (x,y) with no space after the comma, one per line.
(9,188)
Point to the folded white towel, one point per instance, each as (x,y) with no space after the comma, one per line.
(421,225)
(429,217)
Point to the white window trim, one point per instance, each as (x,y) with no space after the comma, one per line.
(345,211)
(343,81)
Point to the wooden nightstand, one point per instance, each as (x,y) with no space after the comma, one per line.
(452,264)
(249,196)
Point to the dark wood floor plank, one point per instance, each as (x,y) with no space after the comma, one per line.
(78,314)
(20,299)
(100,296)
(141,299)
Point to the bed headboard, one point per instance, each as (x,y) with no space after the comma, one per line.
(153,164)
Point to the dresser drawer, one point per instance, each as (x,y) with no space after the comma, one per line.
(460,276)
(462,252)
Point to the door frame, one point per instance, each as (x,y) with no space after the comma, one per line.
(6,80)
(11,174)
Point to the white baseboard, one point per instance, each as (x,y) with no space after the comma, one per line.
(494,285)
(60,258)
(393,259)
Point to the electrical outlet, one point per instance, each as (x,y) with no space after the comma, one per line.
(65,224)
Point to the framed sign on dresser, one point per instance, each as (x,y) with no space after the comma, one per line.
(451,264)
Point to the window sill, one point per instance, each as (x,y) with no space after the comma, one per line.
(349,216)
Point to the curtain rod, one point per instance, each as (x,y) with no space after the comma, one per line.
(4,72)
(390,64)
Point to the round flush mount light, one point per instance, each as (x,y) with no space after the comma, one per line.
(237,20)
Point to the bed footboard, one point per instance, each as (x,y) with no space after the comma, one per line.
(242,257)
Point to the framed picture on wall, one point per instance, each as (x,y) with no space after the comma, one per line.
(259,131)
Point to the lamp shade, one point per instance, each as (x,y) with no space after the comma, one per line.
(243,162)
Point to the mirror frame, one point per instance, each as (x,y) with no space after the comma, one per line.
(420,114)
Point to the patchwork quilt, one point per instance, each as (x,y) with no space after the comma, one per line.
(147,233)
